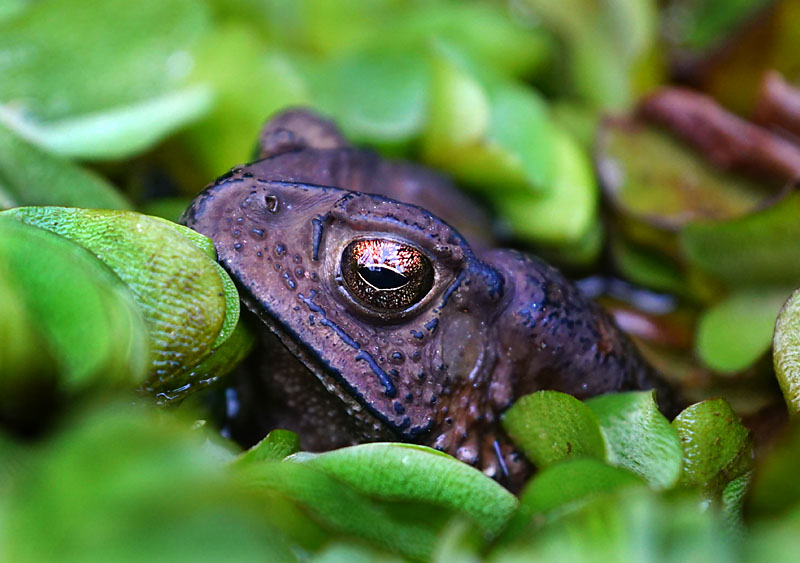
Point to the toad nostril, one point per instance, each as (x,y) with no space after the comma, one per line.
(272,203)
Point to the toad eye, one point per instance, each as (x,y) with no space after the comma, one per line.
(386,276)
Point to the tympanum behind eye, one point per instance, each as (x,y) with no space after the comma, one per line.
(385,276)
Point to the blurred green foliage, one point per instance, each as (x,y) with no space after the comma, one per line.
(108,106)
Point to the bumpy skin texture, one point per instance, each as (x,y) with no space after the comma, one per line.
(495,325)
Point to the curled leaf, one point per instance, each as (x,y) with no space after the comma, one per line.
(786,351)
(178,287)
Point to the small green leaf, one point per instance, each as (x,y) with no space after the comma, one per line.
(716,446)
(736,332)
(786,351)
(416,473)
(647,267)
(563,487)
(550,426)
(460,112)
(733,499)
(488,131)
(639,438)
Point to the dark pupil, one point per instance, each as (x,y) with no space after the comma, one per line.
(382,278)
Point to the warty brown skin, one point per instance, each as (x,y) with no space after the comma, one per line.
(495,325)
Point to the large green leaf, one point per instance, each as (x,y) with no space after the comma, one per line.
(250,83)
(405,472)
(762,248)
(94,79)
(67,59)
(84,315)
(127,484)
(407,528)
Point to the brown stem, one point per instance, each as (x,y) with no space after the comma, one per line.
(779,104)
(726,139)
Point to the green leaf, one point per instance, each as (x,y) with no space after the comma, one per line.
(786,351)
(759,249)
(717,448)
(651,177)
(550,426)
(638,436)
(566,212)
(126,483)
(776,490)
(377,95)
(341,552)
(173,281)
(563,487)
(86,316)
(571,481)
(115,133)
(415,473)
(227,134)
(67,59)
(736,332)
(631,524)
(460,112)
(31,176)
(603,41)
(732,502)
(401,527)
(646,267)
(488,131)
(275,446)
(26,358)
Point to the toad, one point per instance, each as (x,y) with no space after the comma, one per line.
(384,322)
